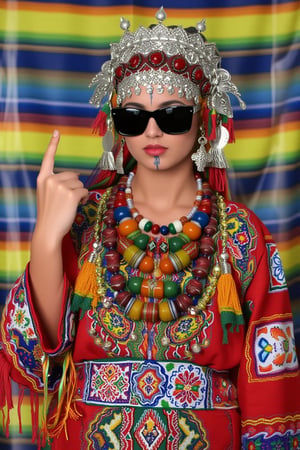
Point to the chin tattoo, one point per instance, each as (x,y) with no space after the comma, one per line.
(156,162)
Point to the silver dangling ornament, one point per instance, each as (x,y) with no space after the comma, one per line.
(119,158)
(200,156)
(216,157)
(107,161)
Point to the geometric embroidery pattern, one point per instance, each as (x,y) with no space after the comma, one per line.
(275,350)
(108,383)
(123,428)
(148,383)
(277,278)
(159,384)
(150,430)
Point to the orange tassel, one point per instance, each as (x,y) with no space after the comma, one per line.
(86,289)
(66,407)
(229,305)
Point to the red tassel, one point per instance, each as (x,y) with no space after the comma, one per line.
(227,122)
(218,180)
(100,126)
(6,402)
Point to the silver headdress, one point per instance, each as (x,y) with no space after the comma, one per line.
(169,58)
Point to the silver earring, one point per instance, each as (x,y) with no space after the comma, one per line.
(200,156)
(107,161)
(216,155)
(119,158)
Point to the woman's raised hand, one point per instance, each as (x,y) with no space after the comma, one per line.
(58,196)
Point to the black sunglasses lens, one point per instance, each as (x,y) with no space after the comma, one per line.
(171,120)
(130,121)
(175,119)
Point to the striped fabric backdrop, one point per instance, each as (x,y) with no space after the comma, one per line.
(49,52)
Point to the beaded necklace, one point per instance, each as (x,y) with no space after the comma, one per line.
(145,295)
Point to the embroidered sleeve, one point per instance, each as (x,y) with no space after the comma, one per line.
(23,345)
(269,377)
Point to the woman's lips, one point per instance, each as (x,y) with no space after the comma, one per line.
(155,150)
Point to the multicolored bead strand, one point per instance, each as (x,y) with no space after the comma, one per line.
(144,296)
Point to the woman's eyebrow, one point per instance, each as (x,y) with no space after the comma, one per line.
(161,105)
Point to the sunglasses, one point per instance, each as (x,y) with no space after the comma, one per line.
(131,121)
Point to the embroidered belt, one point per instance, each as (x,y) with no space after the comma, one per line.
(150,383)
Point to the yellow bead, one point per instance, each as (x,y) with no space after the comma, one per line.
(164,312)
(184,257)
(135,311)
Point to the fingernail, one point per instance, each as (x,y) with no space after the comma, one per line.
(55,133)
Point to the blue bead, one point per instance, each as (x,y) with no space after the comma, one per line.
(164,229)
(121,213)
(206,196)
(201,218)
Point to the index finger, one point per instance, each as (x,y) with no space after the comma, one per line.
(47,165)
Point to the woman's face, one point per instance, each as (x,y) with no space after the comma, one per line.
(153,148)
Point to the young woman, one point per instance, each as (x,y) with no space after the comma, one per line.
(156,312)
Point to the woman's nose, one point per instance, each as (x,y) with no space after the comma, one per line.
(152,129)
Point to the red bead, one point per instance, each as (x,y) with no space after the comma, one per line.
(112,261)
(207,245)
(123,244)
(206,208)
(138,218)
(155,229)
(211,227)
(120,202)
(150,312)
(183,302)
(109,237)
(192,249)
(201,268)
(108,218)
(194,287)
(123,298)
(117,282)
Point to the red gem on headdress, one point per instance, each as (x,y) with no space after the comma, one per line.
(179,64)
(119,72)
(205,88)
(135,61)
(156,58)
(197,74)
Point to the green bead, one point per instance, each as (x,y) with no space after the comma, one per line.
(175,243)
(148,226)
(141,241)
(172,229)
(134,234)
(171,289)
(184,237)
(134,285)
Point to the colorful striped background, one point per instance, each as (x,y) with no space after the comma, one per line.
(49,53)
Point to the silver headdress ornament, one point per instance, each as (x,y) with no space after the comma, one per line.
(157,56)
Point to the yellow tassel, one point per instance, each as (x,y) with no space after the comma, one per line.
(86,281)
(229,304)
